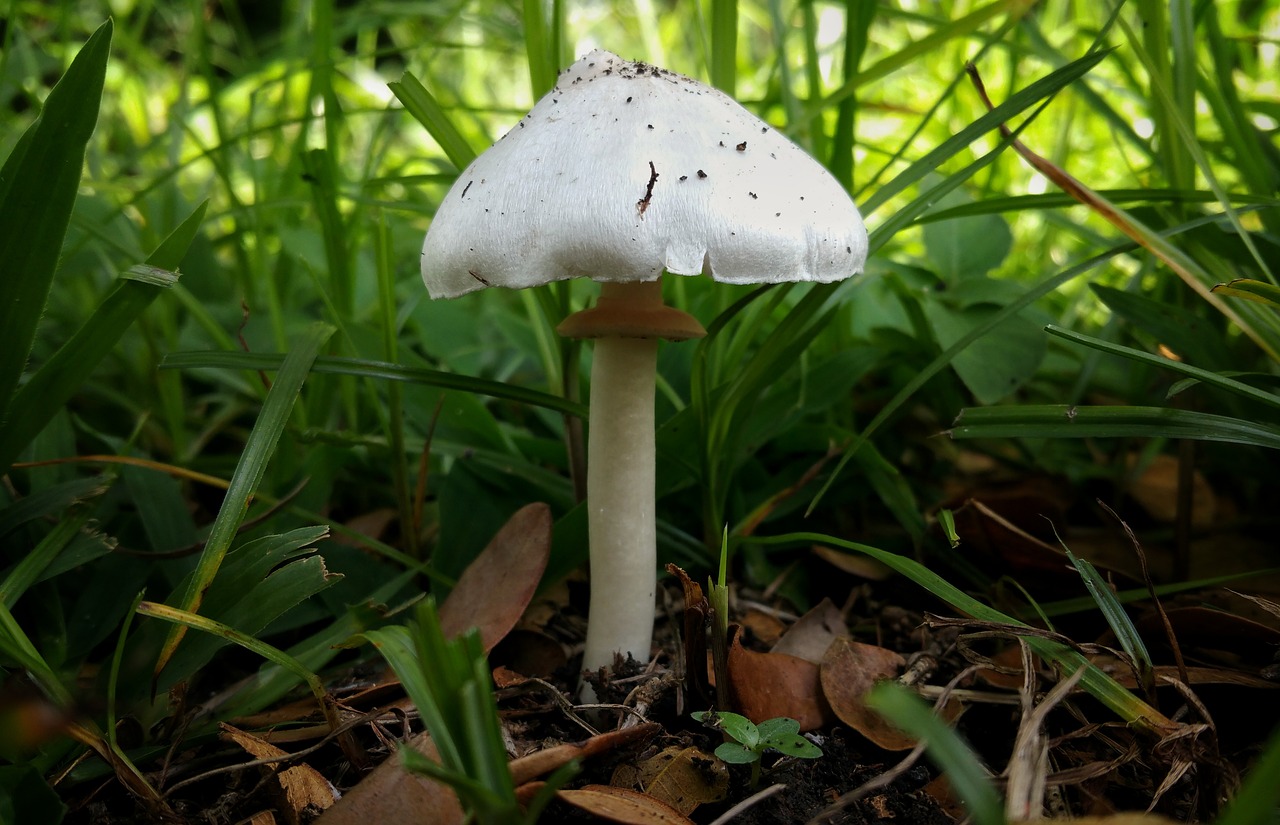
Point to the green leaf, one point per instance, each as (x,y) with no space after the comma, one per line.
(957,761)
(966,247)
(55,382)
(777,729)
(37,192)
(998,363)
(378,369)
(423,106)
(1251,290)
(1212,378)
(26,797)
(258,582)
(258,450)
(736,754)
(793,745)
(740,728)
(1062,421)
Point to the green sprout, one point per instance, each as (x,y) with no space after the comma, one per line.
(750,741)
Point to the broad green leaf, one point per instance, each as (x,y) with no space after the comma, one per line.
(781,726)
(37,192)
(998,363)
(966,247)
(736,754)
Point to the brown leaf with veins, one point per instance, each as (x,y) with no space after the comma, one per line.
(849,670)
(494,590)
(305,790)
(683,778)
(769,685)
(622,805)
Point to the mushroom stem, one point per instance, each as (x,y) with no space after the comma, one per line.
(626,324)
(620,500)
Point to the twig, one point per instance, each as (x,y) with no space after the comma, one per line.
(755,798)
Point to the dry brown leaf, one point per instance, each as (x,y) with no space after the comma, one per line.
(306,791)
(530,653)
(543,762)
(854,564)
(1113,819)
(768,685)
(765,628)
(683,778)
(813,633)
(262,818)
(392,793)
(1156,489)
(494,590)
(849,670)
(622,805)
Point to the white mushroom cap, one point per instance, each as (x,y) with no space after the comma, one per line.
(624,170)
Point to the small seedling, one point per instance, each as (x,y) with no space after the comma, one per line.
(750,741)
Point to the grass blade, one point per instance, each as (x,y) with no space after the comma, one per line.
(1212,378)
(947,750)
(379,369)
(1105,689)
(258,449)
(37,192)
(55,382)
(1064,421)
(423,106)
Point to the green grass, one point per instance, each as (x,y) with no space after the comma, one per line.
(209,235)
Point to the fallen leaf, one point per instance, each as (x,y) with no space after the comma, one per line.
(392,793)
(1156,489)
(529,652)
(848,671)
(765,628)
(769,685)
(813,633)
(494,590)
(622,805)
(306,791)
(855,564)
(543,762)
(683,778)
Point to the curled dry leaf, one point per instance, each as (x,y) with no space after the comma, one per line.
(305,790)
(769,685)
(543,762)
(683,778)
(622,805)
(848,671)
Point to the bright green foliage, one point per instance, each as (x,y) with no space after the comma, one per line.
(749,741)
(448,681)
(210,224)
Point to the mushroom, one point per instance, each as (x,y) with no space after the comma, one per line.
(621,172)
